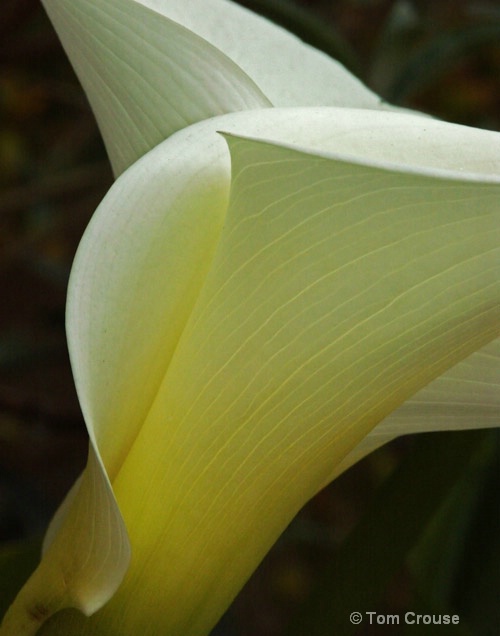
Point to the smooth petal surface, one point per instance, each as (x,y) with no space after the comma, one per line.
(146,76)
(288,71)
(84,561)
(152,240)
(339,285)
(135,279)
(152,67)
(467,396)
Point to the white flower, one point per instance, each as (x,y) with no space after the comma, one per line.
(251,305)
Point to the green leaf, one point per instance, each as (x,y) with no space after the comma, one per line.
(476,592)
(436,57)
(359,571)
(436,559)
(17,561)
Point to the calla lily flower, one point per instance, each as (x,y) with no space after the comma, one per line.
(286,274)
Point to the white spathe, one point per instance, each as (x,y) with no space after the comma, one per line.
(152,67)
(282,312)
(251,303)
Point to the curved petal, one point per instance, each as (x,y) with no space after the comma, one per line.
(312,325)
(337,289)
(145,75)
(152,67)
(151,242)
(135,279)
(85,561)
(288,71)
(467,396)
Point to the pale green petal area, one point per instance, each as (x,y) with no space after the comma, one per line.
(84,563)
(200,440)
(288,71)
(465,397)
(60,515)
(135,279)
(147,251)
(337,291)
(152,67)
(145,75)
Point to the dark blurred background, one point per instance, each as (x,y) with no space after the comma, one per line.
(442,57)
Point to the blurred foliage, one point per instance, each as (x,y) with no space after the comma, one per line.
(442,57)
(424,510)
(17,560)
(54,172)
